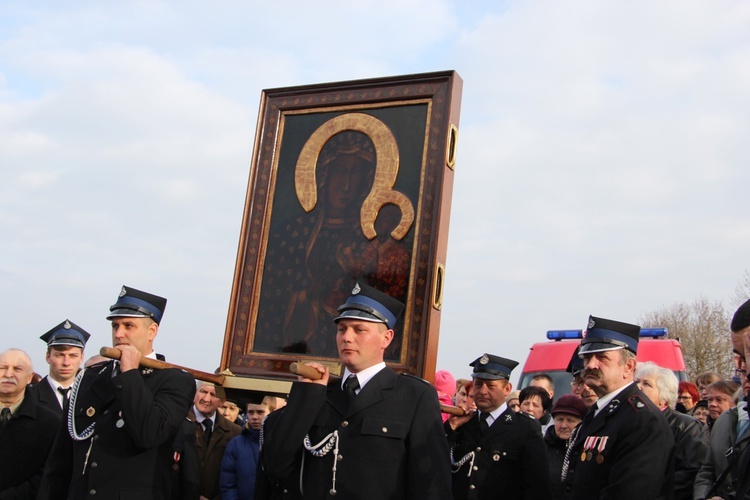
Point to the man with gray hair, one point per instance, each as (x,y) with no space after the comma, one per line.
(690,435)
(212,435)
(623,449)
(27,428)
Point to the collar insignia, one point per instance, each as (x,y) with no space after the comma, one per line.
(613,405)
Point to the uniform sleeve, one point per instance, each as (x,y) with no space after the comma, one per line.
(535,465)
(282,443)
(153,417)
(429,460)
(635,472)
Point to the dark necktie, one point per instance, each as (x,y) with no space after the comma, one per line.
(590,415)
(208,424)
(483,425)
(65,391)
(350,388)
(4,417)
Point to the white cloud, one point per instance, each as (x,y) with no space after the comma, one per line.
(602,163)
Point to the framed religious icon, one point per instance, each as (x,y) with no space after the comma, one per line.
(350,182)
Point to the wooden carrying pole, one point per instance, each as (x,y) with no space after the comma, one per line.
(112,353)
(313,374)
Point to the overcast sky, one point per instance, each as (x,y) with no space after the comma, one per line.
(602,166)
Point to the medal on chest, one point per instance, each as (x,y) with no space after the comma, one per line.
(593,448)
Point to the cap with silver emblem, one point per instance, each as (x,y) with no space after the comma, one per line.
(133,303)
(492,367)
(66,333)
(369,304)
(609,335)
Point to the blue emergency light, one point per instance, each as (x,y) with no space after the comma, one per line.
(564,334)
(651,333)
(654,333)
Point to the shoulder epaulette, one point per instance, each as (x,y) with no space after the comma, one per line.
(637,403)
(416,378)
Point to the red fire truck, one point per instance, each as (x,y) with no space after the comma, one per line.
(552,357)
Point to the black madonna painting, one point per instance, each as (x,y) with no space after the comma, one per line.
(346,192)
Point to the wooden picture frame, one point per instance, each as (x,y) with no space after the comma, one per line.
(349,181)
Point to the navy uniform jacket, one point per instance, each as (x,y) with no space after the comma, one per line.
(137,415)
(391,442)
(25,442)
(625,452)
(45,395)
(510,459)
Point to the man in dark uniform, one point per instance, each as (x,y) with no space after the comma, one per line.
(497,452)
(65,345)
(624,447)
(117,439)
(27,429)
(373,434)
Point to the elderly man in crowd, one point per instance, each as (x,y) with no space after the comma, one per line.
(213,433)
(27,428)
(660,385)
